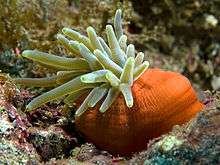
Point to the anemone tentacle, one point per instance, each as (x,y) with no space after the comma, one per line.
(100,69)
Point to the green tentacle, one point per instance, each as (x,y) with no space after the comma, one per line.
(53,60)
(100,69)
(65,89)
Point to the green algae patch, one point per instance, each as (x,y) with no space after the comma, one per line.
(11,154)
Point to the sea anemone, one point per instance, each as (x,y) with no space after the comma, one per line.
(139,104)
(104,69)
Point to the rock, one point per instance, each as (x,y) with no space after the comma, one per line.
(197,142)
(10,153)
(51,142)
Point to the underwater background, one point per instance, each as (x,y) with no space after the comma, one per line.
(175,35)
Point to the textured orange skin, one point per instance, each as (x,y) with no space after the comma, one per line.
(162,99)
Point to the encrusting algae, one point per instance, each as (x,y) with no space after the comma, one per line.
(139,103)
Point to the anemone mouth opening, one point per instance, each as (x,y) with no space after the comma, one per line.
(103,69)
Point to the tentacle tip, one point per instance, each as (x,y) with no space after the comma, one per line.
(124,38)
(131,46)
(91,105)
(109,27)
(131,60)
(83,79)
(97,51)
(147,64)
(71,42)
(77,114)
(102,110)
(118,11)
(59,35)
(29,108)
(130,104)
(87,79)
(26,53)
(90,29)
(65,30)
